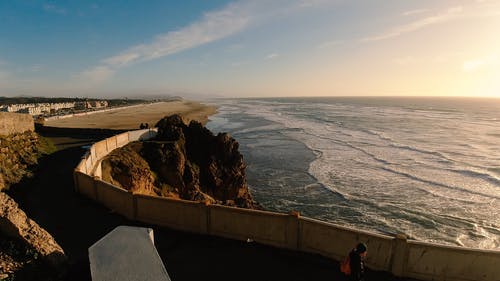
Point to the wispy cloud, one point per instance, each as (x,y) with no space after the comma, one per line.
(124,58)
(212,26)
(311,3)
(36,68)
(330,44)
(480,63)
(272,56)
(414,12)
(51,8)
(448,15)
(215,25)
(96,74)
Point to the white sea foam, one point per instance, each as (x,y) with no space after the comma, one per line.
(427,172)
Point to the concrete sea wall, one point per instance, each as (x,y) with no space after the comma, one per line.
(11,123)
(402,257)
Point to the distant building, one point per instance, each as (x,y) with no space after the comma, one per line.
(61,105)
(98,104)
(91,104)
(80,105)
(14,108)
(37,108)
(31,110)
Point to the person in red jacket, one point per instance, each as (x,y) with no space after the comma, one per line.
(356,262)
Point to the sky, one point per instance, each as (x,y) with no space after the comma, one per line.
(250,48)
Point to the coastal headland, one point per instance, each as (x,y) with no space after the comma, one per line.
(132,117)
(77,222)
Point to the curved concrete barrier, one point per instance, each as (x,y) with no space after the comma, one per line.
(402,257)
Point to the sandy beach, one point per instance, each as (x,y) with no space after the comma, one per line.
(131,118)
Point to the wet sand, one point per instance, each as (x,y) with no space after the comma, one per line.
(132,117)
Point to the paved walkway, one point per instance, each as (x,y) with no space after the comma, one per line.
(77,222)
(137,259)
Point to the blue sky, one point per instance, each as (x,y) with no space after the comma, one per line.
(249,48)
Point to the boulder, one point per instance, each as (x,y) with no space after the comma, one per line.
(14,223)
(127,169)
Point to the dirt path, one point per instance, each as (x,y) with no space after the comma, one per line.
(77,222)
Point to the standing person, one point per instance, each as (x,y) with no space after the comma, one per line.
(357,263)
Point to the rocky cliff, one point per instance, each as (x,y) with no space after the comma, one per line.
(25,247)
(183,161)
(126,168)
(24,241)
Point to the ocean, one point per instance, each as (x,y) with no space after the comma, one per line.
(425,167)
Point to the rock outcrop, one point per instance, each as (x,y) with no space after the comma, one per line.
(127,169)
(24,245)
(14,223)
(184,161)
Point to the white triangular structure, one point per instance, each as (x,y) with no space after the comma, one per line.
(126,254)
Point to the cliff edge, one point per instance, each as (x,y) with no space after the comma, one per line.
(25,247)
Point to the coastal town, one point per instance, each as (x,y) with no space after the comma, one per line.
(48,109)
(44,109)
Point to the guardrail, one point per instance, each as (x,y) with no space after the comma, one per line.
(402,257)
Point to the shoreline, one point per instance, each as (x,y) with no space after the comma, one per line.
(131,117)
